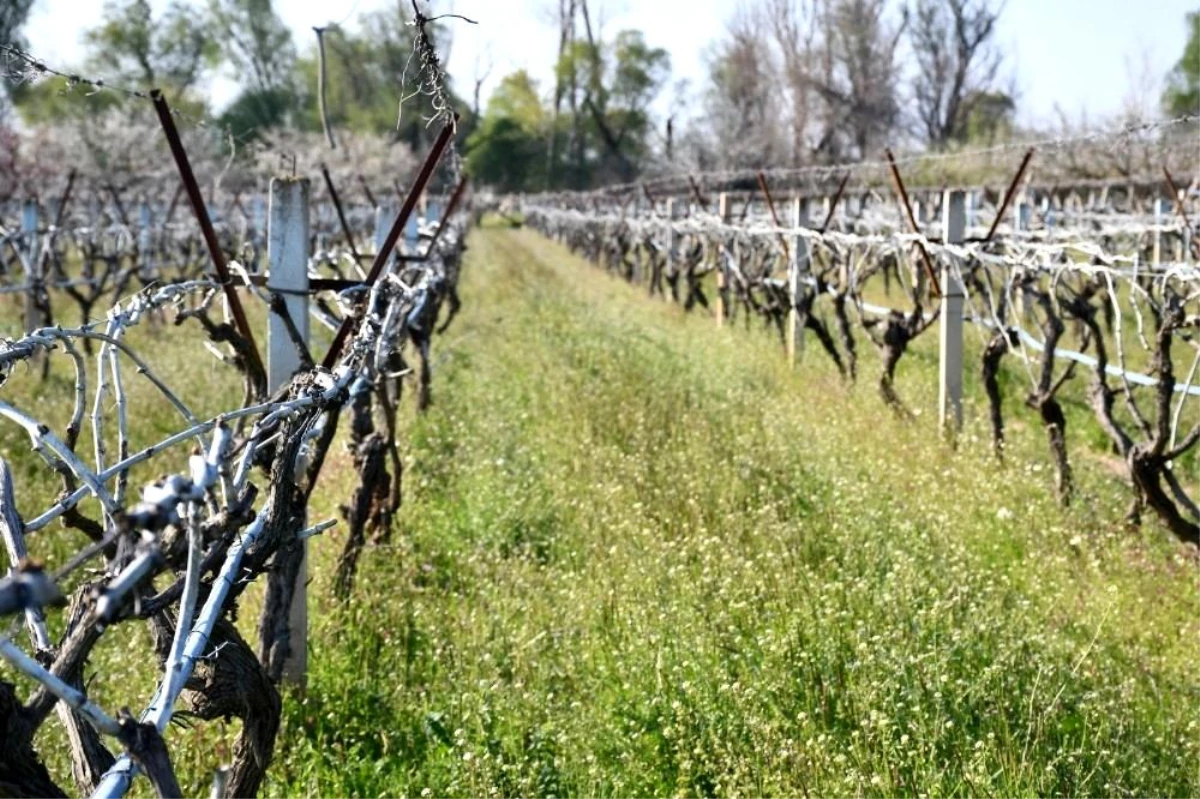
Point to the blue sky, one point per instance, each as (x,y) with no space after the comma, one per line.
(1078,55)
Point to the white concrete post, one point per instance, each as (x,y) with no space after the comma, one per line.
(726,213)
(672,211)
(410,234)
(950,361)
(1021,214)
(1186,244)
(33,276)
(1156,256)
(287,255)
(145,243)
(385,215)
(259,215)
(794,340)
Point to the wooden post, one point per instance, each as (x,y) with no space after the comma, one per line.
(287,254)
(794,340)
(33,276)
(950,361)
(723,208)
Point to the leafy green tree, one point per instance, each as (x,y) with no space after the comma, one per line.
(367,75)
(1182,95)
(52,100)
(609,87)
(258,46)
(508,148)
(990,118)
(133,49)
(12,16)
(255,41)
(254,111)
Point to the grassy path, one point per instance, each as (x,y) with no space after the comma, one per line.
(638,557)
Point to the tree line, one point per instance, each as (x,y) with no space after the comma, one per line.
(183,45)
(789,83)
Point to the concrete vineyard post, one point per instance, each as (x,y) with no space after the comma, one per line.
(726,213)
(797,265)
(411,234)
(1020,224)
(672,211)
(950,361)
(1185,243)
(145,263)
(287,254)
(29,230)
(1156,255)
(385,215)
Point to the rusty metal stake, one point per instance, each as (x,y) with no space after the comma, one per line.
(649,196)
(116,196)
(1008,195)
(746,207)
(65,200)
(696,193)
(337,206)
(393,236)
(206,229)
(366,187)
(450,206)
(898,184)
(1180,209)
(171,206)
(833,205)
(762,184)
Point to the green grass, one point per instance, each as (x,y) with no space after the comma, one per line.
(638,556)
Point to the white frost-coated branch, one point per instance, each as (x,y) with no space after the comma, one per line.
(316,395)
(44,339)
(116,781)
(130,578)
(14,541)
(316,529)
(58,454)
(73,697)
(173,670)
